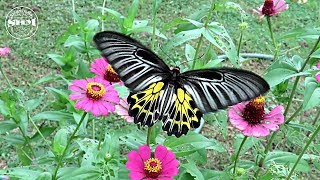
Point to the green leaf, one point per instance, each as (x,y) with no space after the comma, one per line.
(155,6)
(218,36)
(279,75)
(14,139)
(189,53)
(250,142)
(311,94)
(304,33)
(53,116)
(196,140)
(114,13)
(128,21)
(193,170)
(21,173)
(209,174)
(147,29)
(6,126)
(51,78)
(24,153)
(57,59)
(33,103)
(175,22)
(23,122)
(92,24)
(60,141)
(83,173)
(286,158)
(122,90)
(45,131)
(76,42)
(316,54)
(182,37)
(44,176)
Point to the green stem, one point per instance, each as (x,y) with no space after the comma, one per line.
(272,37)
(297,78)
(154,25)
(100,139)
(237,155)
(266,150)
(102,13)
(305,147)
(38,130)
(5,77)
(73,10)
(314,121)
(201,37)
(261,162)
(149,135)
(67,146)
(239,45)
(294,115)
(93,130)
(22,132)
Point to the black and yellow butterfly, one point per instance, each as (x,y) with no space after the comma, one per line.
(177,99)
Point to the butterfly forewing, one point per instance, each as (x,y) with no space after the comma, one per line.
(136,66)
(214,89)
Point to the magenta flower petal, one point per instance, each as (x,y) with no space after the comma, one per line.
(4,51)
(272,127)
(94,95)
(136,175)
(260,131)
(144,152)
(271,8)
(252,119)
(318,77)
(143,166)
(135,162)
(122,110)
(102,69)
(318,65)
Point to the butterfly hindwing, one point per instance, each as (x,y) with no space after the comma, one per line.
(214,89)
(172,105)
(136,66)
(183,114)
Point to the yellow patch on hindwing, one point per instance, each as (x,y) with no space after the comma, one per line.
(144,104)
(184,114)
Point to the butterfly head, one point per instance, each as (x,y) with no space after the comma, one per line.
(175,71)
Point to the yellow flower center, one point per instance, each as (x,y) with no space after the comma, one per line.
(152,167)
(254,111)
(111,75)
(95,90)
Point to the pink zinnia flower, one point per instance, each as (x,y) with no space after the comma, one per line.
(102,68)
(122,110)
(4,51)
(318,65)
(251,119)
(162,166)
(271,8)
(95,95)
(318,77)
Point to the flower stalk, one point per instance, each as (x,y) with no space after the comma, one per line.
(305,147)
(67,146)
(238,153)
(201,37)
